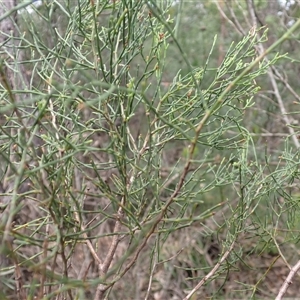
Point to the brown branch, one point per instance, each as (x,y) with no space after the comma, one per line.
(103,268)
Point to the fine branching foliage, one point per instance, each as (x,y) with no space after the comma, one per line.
(117,182)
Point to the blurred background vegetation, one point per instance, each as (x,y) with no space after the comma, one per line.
(146,145)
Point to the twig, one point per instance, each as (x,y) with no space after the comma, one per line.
(282,108)
(150,281)
(42,290)
(288,281)
(236,22)
(88,242)
(284,81)
(271,72)
(261,51)
(103,268)
(222,13)
(18,273)
(153,269)
(211,273)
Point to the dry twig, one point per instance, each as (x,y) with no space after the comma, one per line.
(211,273)
(288,281)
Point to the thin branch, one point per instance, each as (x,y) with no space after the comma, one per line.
(223,14)
(284,81)
(288,281)
(211,273)
(236,21)
(282,108)
(261,50)
(103,268)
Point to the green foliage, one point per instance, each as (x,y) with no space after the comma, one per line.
(109,165)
